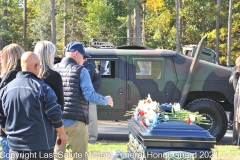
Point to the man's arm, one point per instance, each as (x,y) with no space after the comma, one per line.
(89,92)
(54,113)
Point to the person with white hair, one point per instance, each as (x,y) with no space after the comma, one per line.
(234,79)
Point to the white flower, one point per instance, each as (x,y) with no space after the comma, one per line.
(166,117)
(176,106)
(149,98)
(150,115)
(192,118)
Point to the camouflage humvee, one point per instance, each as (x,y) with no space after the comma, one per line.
(129,75)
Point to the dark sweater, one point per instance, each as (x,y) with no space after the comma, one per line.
(94,74)
(235,79)
(54,80)
(8,77)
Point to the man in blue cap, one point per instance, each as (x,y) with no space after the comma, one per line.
(78,91)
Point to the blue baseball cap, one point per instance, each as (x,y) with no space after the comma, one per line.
(77,46)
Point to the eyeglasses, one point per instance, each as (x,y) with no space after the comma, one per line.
(40,66)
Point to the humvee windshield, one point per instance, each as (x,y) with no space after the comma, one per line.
(207,53)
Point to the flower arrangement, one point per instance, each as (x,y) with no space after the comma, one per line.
(150,113)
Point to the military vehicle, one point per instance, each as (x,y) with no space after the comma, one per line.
(129,75)
(207,53)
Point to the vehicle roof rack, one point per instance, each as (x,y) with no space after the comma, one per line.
(133,47)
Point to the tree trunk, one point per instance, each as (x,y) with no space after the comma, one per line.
(72,27)
(217,29)
(229,44)
(181,20)
(24,22)
(137,24)
(64,25)
(3,24)
(129,24)
(53,26)
(143,24)
(178,45)
(203,17)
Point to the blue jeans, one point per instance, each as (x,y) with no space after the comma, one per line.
(5,147)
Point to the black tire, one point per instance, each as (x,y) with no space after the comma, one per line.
(213,112)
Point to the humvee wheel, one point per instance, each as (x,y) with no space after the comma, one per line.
(214,112)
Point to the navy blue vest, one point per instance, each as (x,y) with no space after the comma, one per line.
(75,107)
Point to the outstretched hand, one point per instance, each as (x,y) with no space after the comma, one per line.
(110,101)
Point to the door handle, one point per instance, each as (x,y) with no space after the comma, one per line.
(167,92)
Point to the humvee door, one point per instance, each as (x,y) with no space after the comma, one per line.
(150,75)
(113,73)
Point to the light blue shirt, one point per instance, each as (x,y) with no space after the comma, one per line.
(88,92)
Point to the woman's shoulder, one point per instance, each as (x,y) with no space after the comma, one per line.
(53,75)
(10,74)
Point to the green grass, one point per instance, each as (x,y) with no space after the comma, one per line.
(102,151)
(226,152)
(220,152)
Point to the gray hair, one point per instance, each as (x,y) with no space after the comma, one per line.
(46,51)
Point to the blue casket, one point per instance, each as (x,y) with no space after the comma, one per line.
(169,141)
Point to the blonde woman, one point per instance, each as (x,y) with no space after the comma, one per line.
(10,66)
(46,51)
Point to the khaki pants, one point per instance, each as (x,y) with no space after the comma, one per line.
(93,123)
(78,141)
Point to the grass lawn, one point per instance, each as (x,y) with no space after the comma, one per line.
(102,151)
(220,152)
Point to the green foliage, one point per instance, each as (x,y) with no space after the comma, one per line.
(106,19)
(101,20)
(40,25)
(13,29)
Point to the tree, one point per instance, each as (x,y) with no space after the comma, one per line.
(217,29)
(65,23)
(101,22)
(3,24)
(229,33)
(129,23)
(143,23)
(178,45)
(160,24)
(24,22)
(137,24)
(53,26)
(40,24)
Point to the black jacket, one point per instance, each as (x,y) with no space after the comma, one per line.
(54,80)
(235,79)
(94,74)
(8,77)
